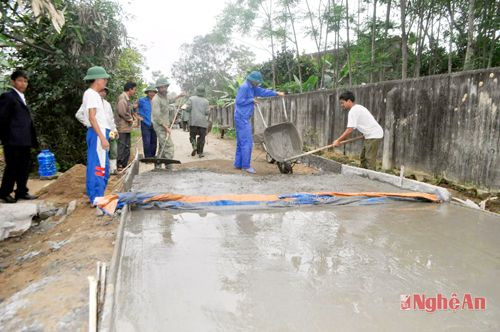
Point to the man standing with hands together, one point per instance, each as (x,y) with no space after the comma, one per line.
(97,133)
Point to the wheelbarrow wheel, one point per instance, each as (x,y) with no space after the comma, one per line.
(285,168)
(270,159)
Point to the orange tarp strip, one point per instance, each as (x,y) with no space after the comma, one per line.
(267,198)
(108,203)
(205,199)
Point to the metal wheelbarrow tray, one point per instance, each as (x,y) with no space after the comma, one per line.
(282,141)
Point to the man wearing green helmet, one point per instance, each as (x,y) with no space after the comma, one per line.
(197,106)
(160,110)
(243,113)
(147,131)
(97,133)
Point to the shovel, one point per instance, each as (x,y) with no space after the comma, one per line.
(323,148)
(154,160)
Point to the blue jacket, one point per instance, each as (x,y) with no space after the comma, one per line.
(145,110)
(244,99)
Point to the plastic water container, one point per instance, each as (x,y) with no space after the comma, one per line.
(46,164)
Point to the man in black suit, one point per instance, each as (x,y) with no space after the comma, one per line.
(18,137)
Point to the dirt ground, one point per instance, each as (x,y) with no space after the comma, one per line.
(49,292)
(260,165)
(219,156)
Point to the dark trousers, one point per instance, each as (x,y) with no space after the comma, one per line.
(123,149)
(185,125)
(148,140)
(199,142)
(17,169)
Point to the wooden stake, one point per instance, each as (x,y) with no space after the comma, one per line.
(102,281)
(92,304)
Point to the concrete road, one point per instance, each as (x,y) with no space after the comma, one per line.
(318,268)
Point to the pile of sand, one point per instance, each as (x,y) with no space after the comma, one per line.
(69,186)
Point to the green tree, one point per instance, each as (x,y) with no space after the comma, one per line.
(93,34)
(210,61)
(128,69)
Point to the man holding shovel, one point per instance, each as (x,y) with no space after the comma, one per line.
(160,111)
(361,119)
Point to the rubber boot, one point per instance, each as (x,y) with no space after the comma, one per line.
(112,167)
(193,144)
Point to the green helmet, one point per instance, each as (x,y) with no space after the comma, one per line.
(150,87)
(256,77)
(162,82)
(200,91)
(96,72)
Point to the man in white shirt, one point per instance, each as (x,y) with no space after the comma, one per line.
(361,119)
(97,133)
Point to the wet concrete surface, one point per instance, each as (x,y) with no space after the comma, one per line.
(319,268)
(197,182)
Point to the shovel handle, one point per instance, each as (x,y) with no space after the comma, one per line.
(260,113)
(284,108)
(323,148)
(168,134)
(351,140)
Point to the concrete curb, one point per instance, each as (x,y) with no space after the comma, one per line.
(109,299)
(106,317)
(323,164)
(442,193)
(328,165)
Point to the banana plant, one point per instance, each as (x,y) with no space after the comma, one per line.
(229,93)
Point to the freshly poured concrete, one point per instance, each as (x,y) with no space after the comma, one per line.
(319,268)
(196,182)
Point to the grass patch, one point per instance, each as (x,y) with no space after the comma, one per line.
(135,133)
(229,133)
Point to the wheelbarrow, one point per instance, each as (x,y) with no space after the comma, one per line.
(283,144)
(280,142)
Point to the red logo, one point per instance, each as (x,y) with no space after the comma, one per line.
(440,302)
(405,302)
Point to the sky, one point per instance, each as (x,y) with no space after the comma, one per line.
(160,27)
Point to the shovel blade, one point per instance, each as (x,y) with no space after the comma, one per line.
(159,161)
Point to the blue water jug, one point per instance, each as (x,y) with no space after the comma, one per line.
(46,164)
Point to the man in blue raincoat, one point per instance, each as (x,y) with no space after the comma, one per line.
(243,113)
